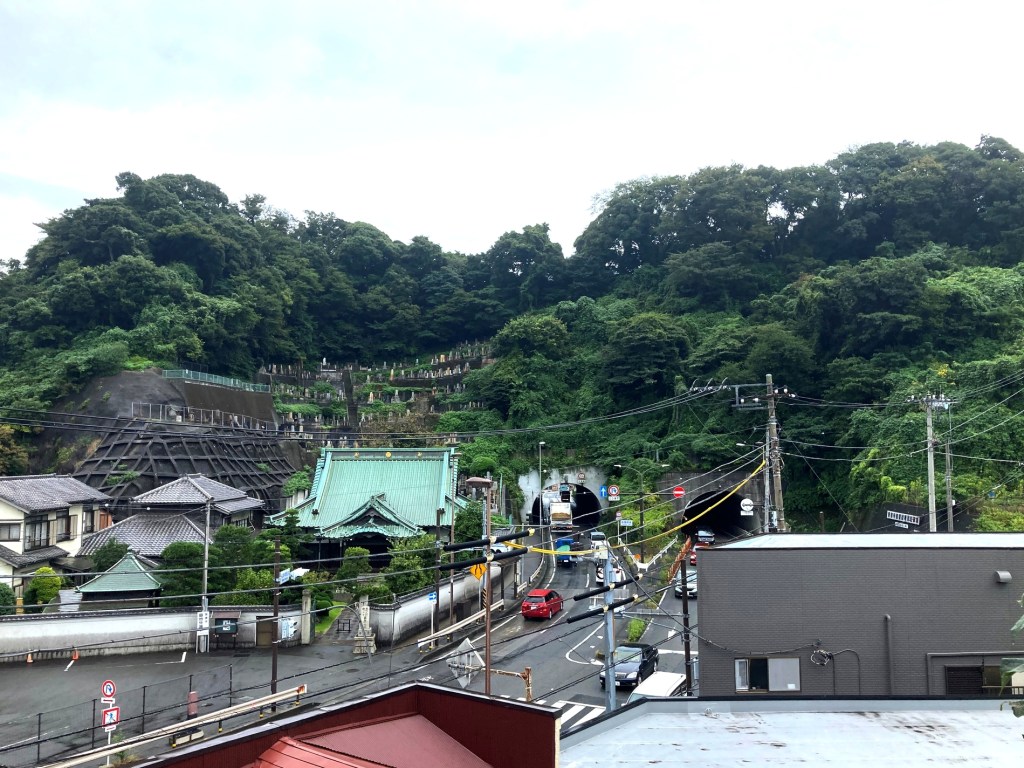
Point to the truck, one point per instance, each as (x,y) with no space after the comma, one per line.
(567,551)
(561,516)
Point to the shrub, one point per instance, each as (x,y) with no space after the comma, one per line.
(45,586)
(7,601)
(636,629)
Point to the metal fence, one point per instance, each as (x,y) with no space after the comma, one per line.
(50,736)
(222,381)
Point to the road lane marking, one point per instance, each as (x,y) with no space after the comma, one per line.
(571,651)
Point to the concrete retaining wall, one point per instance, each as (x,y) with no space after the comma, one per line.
(107,633)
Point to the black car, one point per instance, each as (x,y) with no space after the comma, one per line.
(631,663)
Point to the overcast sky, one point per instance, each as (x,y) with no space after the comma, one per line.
(467,119)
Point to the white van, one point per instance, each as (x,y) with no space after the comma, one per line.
(659,684)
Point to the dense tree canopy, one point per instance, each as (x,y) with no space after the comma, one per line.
(890,270)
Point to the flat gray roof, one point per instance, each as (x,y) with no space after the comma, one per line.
(922,540)
(834,733)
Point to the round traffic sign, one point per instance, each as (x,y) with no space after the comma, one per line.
(678,491)
(747,505)
(613,490)
(108,689)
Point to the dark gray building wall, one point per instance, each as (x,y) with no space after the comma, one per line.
(893,618)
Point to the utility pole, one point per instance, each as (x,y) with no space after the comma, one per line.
(776,455)
(931,465)
(773,453)
(487,590)
(608,609)
(277,620)
(931,402)
(609,631)
(451,573)
(203,635)
(767,484)
(487,543)
(437,574)
(949,487)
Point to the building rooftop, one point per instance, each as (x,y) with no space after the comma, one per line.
(147,534)
(40,493)
(126,575)
(196,491)
(392,491)
(825,733)
(920,540)
(42,555)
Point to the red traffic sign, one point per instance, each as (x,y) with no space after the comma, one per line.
(111,716)
(678,491)
(108,689)
(613,490)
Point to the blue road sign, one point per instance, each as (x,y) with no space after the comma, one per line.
(604,491)
(432,597)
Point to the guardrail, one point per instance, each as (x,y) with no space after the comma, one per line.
(210,378)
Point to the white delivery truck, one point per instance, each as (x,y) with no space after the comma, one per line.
(561,517)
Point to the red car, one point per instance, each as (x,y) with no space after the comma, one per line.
(541,604)
(693,553)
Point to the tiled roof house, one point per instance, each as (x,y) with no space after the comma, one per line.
(191,493)
(42,519)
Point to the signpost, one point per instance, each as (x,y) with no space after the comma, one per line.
(110,715)
(432,598)
(747,507)
(613,493)
(678,491)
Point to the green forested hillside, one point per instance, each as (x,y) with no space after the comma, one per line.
(891,271)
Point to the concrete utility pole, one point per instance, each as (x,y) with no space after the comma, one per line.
(487,589)
(609,632)
(776,455)
(949,488)
(930,402)
(277,618)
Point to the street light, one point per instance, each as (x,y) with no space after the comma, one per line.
(643,492)
(540,481)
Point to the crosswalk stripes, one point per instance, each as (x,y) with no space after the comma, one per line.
(573,713)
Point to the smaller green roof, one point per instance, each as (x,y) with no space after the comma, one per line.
(126,575)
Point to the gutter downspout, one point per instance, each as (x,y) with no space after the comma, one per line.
(888,649)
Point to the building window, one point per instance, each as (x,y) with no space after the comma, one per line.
(761,674)
(88,520)
(64,527)
(37,533)
(10,531)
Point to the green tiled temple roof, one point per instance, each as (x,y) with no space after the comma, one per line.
(392,491)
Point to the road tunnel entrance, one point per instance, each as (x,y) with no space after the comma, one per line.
(721,513)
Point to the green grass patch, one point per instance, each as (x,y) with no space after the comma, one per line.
(327,619)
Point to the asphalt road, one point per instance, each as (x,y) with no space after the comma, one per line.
(563,658)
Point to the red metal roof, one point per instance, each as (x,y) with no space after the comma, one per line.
(402,742)
(289,753)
